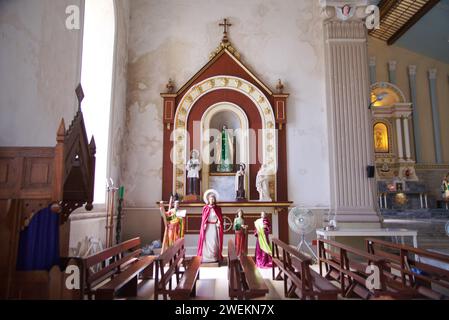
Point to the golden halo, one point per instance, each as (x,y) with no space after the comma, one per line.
(209,192)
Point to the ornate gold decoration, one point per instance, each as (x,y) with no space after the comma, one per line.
(179,185)
(225,44)
(239,84)
(179,172)
(199,89)
(267,111)
(270,125)
(189,99)
(225,82)
(270,148)
(261,100)
(251,90)
(180,124)
(182,111)
(212,82)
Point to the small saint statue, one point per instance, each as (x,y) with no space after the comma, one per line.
(193,168)
(445,188)
(263,183)
(174,225)
(240,182)
(224,151)
(240,233)
(263,248)
(210,243)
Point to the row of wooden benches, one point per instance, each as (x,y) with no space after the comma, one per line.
(384,270)
(402,272)
(116,271)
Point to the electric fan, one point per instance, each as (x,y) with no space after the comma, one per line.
(302,221)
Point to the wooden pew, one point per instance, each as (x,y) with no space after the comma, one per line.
(402,264)
(296,268)
(122,265)
(187,285)
(173,263)
(245,281)
(235,280)
(348,266)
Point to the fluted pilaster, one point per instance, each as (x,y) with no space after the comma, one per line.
(350,132)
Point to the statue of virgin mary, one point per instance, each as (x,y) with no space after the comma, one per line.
(224,151)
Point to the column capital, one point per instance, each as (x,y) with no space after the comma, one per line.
(412,70)
(392,65)
(432,73)
(344,10)
(372,61)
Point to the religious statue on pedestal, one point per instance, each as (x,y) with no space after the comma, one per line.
(224,151)
(445,188)
(193,168)
(263,248)
(210,244)
(263,183)
(240,182)
(240,233)
(174,224)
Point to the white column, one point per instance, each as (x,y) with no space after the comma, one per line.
(353,199)
(407,139)
(399,138)
(392,71)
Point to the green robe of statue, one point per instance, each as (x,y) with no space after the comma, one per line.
(224,152)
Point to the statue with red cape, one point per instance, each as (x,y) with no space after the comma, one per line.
(210,244)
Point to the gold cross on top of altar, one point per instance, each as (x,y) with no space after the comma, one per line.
(225,24)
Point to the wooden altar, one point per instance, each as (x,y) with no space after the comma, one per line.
(226,89)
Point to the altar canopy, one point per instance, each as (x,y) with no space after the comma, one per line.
(233,119)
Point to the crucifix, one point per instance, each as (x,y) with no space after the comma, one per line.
(225,26)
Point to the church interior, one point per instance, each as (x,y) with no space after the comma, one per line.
(216,150)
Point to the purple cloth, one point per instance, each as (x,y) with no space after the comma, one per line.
(39,242)
(263,259)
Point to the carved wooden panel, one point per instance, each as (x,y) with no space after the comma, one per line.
(7,173)
(38,173)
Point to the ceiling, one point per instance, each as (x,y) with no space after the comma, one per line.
(421,26)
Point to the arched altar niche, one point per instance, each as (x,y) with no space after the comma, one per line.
(212,121)
(226,87)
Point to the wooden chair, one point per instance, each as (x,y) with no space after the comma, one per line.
(296,269)
(121,265)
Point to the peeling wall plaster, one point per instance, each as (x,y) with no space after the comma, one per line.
(39,70)
(277,39)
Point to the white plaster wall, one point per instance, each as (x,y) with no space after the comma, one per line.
(173,38)
(39,70)
(93,224)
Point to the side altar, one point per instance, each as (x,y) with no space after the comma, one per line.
(225,129)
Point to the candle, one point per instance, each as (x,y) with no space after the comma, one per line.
(122,192)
